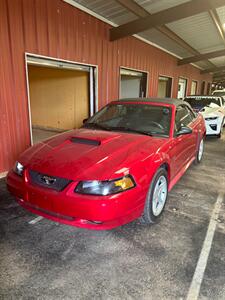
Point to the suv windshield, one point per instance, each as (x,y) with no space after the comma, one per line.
(219,93)
(136,118)
(199,102)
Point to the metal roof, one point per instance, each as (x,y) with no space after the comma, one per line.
(163,41)
(154,6)
(199,31)
(221,14)
(109,9)
(218,61)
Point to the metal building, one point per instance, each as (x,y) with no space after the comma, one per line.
(55,34)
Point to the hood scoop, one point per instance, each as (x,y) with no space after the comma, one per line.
(78,140)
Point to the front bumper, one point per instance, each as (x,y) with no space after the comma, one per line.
(213,127)
(92,212)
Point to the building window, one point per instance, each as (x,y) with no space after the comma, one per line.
(133,84)
(164,86)
(194,85)
(182,88)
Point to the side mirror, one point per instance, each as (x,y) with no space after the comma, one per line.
(85,120)
(184,130)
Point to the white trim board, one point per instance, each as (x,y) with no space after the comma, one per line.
(57,59)
(99,17)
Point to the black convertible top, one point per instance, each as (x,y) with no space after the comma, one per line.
(171,101)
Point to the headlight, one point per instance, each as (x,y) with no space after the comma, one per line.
(211,118)
(103,188)
(18,168)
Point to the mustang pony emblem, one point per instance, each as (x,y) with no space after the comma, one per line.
(48,180)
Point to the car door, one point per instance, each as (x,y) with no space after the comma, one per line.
(183,146)
(196,126)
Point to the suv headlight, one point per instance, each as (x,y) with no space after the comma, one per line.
(18,168)
(107,187)
(211,118)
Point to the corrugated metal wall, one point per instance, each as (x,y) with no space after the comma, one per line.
(56,29)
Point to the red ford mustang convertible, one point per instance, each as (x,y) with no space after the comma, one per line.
(118,167)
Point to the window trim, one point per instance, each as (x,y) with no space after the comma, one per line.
(180,107)
(186,87)
(196,92)
(121,67)
(172,82)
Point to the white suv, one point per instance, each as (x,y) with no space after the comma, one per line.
(220,93)
(212,109)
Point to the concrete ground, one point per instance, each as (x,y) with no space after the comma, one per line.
(42,134)
(40,259)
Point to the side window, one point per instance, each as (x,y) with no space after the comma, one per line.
(192,114)
(183,117)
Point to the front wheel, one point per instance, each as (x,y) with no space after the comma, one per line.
(156,197)
(200,151)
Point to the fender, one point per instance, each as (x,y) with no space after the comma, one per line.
(159,159)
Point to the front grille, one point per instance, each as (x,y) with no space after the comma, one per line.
(47,181)
(214,127)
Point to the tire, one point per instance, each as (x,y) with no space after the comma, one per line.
(219,135)
(200,151)
(152,212)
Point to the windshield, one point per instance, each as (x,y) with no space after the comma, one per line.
(199,103)
(136,118)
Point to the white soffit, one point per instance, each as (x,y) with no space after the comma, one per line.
(218,61)
(109,9)
(203,64)
(163,41)
(221,14)
(199,31)
(154,6)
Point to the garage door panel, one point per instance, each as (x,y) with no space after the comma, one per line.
(59,98)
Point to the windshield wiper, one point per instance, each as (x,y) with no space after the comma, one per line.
(97,126)
(102,127)
(131,130)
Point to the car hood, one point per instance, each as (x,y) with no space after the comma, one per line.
(90,154)
(199,107)
(211,111)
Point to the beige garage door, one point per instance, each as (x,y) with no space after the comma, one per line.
(59,99)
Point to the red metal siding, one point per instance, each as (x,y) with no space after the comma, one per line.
(56,29)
